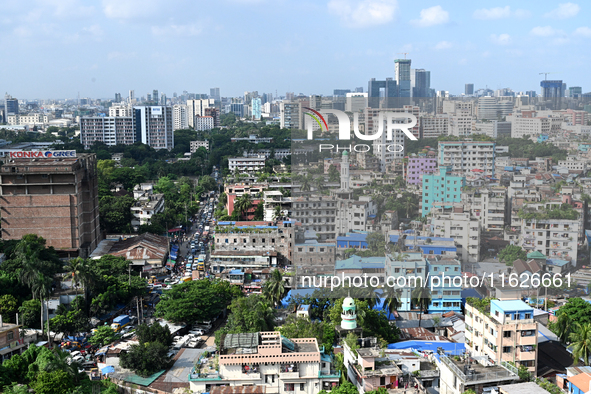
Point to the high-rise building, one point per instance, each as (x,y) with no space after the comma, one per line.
(153,126)
(494,108)
(131,95)
(256,108)
(196,107)
(110,130)
(155,96)
(55,198)
(359,89)
(469,89)
(214,93)
(441,187)
(179,117)
(375,92)
(468,157)
(237,109)
(215,114)
(575,91)
(290,115)
(203,123)
(356,102)
(148,97)
(402,76)
(422,83)
(552,89)
(10,105)
(163,99)
(117,97)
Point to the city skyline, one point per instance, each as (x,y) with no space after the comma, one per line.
(69,47)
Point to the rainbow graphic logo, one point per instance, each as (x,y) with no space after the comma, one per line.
(316,116)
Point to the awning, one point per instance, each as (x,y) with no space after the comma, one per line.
(175,230)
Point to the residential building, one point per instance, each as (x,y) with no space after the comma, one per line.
(441,187)
(313,258)
(488,204)
(110,130)
(291,115)
(494,107)
(493,128)
(530,126)
(246,164)
(120,110)
(416,167)
(180,120)
(446,284)
(203,123)
(146,250)
(433,126)
(153,126)
(573,163)
(452,222)
(505,331)
(273,199)
(317,213)
(460,374)
(468,157)
(555,238)
(369,369)
(461,124)
(11,342)
(356,102)
(456,107)
(354,215)
(146,205)
(53,197)
(267,362)
(356,266)
(194,145)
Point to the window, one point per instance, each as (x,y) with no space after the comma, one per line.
(288,387)
(382,380)
(507,349)
(528,315)
(397,270)
(10,335)
(506,334)
(302,386)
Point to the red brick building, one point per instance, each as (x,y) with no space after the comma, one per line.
(55,198)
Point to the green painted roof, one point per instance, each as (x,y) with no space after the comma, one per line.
(144,381)
(536,255)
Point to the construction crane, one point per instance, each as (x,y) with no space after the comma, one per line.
(403,53)
(545,75)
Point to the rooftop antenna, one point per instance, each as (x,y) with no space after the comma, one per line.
(403,53)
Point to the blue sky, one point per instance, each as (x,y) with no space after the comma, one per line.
(57,48)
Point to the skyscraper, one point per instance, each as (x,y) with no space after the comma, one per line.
(153,126)
(10,105)
(469,89)
(117,97)
(197,108)
(214,93)
(256,108)
(402,77)
(131,95)
(155,95)
(340,92)
(552,89)
(374,90)
(422,83)
(179,117)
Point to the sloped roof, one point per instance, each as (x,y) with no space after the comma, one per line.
(581,381)
(536,255)
(552,358)
(237,390)
(143,247)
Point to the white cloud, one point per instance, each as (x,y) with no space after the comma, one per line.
(583,32)
(177,30)
(68,9)
(95,31)
(544,31)
(564,11)
(499,13)
(443,45)
(431,16)
(364,14)
(501,39)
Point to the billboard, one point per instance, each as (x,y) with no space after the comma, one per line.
(41,154)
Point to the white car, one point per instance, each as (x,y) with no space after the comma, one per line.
(193,343)
(197,332)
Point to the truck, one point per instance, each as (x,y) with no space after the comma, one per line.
(119,322)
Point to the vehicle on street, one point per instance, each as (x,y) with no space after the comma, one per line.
(121,321)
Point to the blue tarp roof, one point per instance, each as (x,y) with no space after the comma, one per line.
(449,347)
(236,272)
(108,369)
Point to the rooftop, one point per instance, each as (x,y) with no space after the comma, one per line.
(581,381)
(512,305)
(522,388)
(471,371)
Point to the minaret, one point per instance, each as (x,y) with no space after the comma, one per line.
(349,315)
(345,171)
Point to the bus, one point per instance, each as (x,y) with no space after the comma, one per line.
(201,266)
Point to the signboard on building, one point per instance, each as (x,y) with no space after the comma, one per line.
(41,154)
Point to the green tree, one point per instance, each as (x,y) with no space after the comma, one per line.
(259,212)
(333,174)
(146,359)
(392,299)
(344,388)
(104,335)
(524,373)
(8,306)
(302,327)
(581,342)
(243,204)
(274,288)
(511,253)
(56,382)
(249,314)
(154,333)
(421,298)
(71,319)
(115,213)
(29,313)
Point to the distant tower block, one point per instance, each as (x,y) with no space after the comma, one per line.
(349,315)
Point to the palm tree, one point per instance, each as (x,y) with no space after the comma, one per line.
(401,256)
(410,204)
(59,362)
(369,295)
(306,182)
(277,213)
(581,342)
(563,327)
(41,287)
(275,287)
(421,297)
(392,299)
(243,204)
(72,268)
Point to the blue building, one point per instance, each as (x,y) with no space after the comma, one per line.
(542,138)
(256,108)
(441,187)
(445,279)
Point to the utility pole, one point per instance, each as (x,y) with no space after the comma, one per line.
(137,300)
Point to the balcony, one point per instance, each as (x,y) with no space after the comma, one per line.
(289,375)
(331,375)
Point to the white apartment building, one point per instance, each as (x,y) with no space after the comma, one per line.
(203,123)
(555,238)
(147,204)
(493,128)
(435,125)
(468,157)
(110,130)
(356,102)
(462,227)
(488,205)
(573,163)
(272,199)
(197,108)
(246,164)
(355,215)
(121,110)
(521,126)
(454,107)
(317,213)
(30,120)
(379,148)
(179,117)
(194,145)
(291,115)
(269,362)
(461,124)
